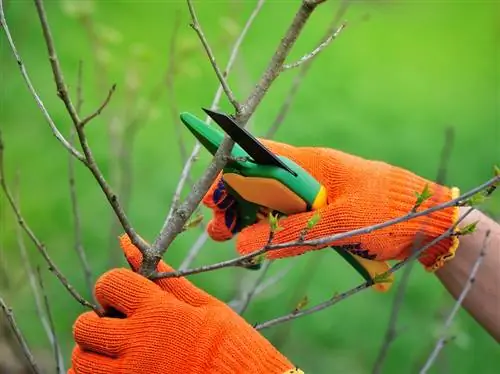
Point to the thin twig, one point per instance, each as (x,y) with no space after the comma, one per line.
(49,330)
(215,103)
(98,111)
(247,298)
(39,245)
(88,160)
(194,250)
(170,83)
(222,79)
(275,65)
(391,331)
(304,69)
(317,50)
(24,73)
(19,336)
(77,225)
(329,239)
(470,281)
(365,230)
(55,343)
(336,299)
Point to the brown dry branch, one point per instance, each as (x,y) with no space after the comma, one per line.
(391,331)
(55,343)
(447,324)
(38,244)
(461,200)
(337,298)
(9,315)
(174,225)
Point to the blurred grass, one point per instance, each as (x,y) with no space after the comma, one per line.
(400,74)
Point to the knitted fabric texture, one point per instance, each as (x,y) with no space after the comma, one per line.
(360,193)
(168,326)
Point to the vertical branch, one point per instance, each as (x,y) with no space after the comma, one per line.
(443,339)
(44,319)
(170,83)
(55,342)
(391,331)
(304,69)
(75,208)
(20,337)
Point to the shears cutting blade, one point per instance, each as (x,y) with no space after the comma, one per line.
(257,151)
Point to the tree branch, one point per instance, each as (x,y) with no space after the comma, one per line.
(88,160)
(304,69)
(329,239)
(337,298)
(39,245)
(391,331)
(77,224)
(470,281)
(46,323)
(98,111)
(222,79)
(317,50)
(19,336)
(55,343)
(24,73)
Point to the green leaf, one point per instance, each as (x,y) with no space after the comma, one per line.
(302,303)
(496,170)
(422,197)
(193,222)
(476,199)
(313,221)
(383,278)
(274,222)
(469,229)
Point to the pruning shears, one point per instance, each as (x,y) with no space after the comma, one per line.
(263,181)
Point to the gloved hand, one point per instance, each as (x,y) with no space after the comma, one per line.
(360,193)
(168,326)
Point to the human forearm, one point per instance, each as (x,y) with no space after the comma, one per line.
(483,299)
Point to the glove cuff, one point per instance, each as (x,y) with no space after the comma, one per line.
(436,256)
(404,187)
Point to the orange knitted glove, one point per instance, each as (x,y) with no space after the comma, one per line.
(168,326)
(360,193)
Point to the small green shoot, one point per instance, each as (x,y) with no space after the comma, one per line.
(422,197)
(468,229)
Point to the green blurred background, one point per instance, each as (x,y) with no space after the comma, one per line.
(387,88)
